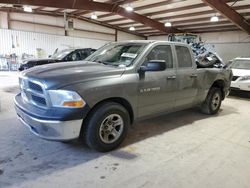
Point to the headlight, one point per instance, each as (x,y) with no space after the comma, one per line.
(63,98)
(245,78)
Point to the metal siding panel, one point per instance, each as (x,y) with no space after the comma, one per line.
(30,41)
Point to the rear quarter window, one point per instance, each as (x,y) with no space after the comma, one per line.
(183,56)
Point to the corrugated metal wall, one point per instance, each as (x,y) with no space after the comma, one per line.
(25,33)
(20,42)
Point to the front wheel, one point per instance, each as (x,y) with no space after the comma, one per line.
(213,101)
(106,127)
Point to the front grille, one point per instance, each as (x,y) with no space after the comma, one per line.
(38,100)
(33,92)
(235,78)
(35,87)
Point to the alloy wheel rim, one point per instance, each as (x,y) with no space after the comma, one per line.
(111,128)
(215,101)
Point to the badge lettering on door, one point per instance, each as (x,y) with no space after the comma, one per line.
(150,89)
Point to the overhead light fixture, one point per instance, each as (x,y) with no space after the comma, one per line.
(129,8)
(93,16)
(27,9)
(132,28)
(168,24)
(214,19)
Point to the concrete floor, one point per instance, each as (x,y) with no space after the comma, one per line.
(184,149)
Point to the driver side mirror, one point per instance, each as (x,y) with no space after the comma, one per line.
(153,65)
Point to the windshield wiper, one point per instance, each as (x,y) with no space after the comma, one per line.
(105,63)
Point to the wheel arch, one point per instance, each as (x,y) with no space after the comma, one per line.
(221,85)
(122,101)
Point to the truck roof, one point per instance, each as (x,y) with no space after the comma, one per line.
(151,41)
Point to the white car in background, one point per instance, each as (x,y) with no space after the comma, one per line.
(241,74)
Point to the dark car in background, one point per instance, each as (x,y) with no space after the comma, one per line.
(61,56)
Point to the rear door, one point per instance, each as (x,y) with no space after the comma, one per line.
(187,88)
(157,89)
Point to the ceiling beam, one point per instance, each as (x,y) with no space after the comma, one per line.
(76,12)
(82,12)
(204,24)
(158,33)
(149,6)
(182,8)
(230,14)
(148,29)
(117,2)
(204,31)
(95,6)
(154,5)
(59,10)
(60,14)
(212,27)
(166,11)
(214,30)
(186,24)
(164,18)
(146,21)
(39,8)
(162,12)
(195,26)
(67,4)
(241,7)
(203,19)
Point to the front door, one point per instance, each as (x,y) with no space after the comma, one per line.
(157,89)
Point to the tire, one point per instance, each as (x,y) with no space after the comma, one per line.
(100,131)
(213,101)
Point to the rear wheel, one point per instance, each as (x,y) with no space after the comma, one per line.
(213,101)
(106,127)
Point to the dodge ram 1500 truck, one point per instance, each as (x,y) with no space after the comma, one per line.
(96,100)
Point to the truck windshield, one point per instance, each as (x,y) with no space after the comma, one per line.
(241,64)
(117,54)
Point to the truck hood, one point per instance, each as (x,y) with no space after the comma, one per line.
(59,75)
(241,72)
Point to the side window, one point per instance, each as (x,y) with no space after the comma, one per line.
(183,56)
(84,53)
(75,56)
(161,52)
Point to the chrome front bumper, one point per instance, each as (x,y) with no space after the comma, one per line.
(51,129)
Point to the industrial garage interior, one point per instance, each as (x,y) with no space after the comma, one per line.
(125,93)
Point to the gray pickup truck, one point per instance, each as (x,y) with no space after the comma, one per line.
(96,100)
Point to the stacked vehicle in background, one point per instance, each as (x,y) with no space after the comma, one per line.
(204,54)
(61,56)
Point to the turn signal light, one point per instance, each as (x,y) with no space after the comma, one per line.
(74,103)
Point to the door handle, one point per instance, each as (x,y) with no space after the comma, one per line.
(171,77)
(193,76)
